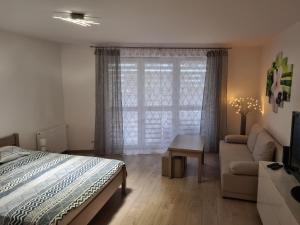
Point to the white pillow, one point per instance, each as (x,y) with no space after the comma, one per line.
(236,139)
(9,153)
(249,168)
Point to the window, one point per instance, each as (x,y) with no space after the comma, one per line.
(161,97)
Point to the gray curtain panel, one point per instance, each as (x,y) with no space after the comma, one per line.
(109,118)
(214,107)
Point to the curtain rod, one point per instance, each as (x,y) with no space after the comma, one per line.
(152,47)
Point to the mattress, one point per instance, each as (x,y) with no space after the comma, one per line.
(41,188)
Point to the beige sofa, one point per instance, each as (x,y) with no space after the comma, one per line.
(239,156)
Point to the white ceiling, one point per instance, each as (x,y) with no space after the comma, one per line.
(169,22)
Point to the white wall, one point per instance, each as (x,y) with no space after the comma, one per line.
(244,66)
(31,96)
(289,43)
(41,84)
(78,70)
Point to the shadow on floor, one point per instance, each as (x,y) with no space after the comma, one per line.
(111,207)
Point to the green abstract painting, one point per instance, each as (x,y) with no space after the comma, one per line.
(279,82)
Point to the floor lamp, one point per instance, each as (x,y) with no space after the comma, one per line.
(243,106)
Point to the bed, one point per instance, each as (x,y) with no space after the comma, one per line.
(45,188)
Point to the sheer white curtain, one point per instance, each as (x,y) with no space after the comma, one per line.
(162,92)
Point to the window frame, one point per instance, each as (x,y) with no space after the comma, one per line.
(175,108)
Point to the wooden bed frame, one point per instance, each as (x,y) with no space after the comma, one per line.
(86,212)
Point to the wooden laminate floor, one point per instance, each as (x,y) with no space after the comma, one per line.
(156,200)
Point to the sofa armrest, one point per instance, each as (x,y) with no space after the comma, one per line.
(249,168)
(236,139)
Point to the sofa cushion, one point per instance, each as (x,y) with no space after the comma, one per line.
(238,186)
(264,147)
(255,130)
(232,185)
(244,168)
(232,152)
(236,139)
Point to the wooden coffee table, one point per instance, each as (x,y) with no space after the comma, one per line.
(188,146)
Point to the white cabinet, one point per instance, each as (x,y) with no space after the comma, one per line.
(275,204)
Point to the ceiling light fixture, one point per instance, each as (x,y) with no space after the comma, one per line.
(77,18)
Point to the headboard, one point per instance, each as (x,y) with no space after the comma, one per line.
(11,140)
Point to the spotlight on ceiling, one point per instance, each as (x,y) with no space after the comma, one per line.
(77,18)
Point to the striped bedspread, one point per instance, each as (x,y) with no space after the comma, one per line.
(39,189)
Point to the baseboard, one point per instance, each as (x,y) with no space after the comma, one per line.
(89,152)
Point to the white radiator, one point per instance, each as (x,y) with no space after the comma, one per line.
(54,138)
